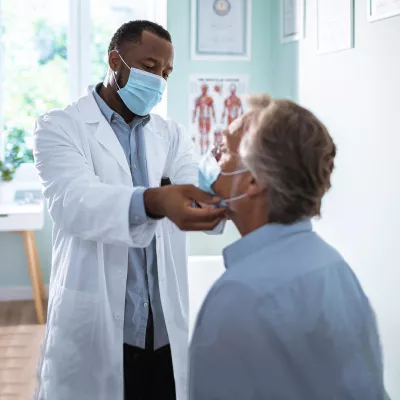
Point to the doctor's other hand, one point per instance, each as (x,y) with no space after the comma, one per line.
(175,202)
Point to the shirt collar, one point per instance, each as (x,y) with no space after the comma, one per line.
(109,113)
(256,240)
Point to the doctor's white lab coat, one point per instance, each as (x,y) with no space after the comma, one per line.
(88,186)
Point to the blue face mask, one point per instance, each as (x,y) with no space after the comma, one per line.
(142,92)
(209,170)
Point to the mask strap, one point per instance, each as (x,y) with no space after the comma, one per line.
(115,79)
(122,59)
(242,196)
(239,171)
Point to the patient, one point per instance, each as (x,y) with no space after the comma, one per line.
(288,319)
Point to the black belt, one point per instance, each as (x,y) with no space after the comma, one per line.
(149,341)
(165,182)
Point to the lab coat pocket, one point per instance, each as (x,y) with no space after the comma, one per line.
(70,340)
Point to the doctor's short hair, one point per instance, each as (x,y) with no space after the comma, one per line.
(290,151)
(131,32)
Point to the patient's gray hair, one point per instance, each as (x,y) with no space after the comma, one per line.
(290,151)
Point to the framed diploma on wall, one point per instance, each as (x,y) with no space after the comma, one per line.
(221,29)
(292,20)
(335,25)
(381,9)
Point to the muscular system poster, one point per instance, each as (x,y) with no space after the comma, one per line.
(214,102)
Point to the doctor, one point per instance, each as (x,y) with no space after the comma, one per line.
(118,305)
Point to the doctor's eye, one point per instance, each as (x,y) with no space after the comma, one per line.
(148,67)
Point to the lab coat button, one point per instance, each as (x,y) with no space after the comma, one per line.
(133,166)
(146,305)
(121,274)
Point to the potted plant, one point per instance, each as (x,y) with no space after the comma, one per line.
(15,154)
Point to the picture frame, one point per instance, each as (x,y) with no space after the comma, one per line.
(221,30)
(292,15)
(391,10)
(332,42)
(216,100)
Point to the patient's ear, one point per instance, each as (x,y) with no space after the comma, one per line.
(254,188)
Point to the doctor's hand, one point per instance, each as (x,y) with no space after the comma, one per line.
(175,202)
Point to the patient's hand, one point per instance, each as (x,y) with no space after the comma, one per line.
(234,135)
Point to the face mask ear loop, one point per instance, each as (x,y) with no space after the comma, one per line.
(239,171)
(241,196)
(123,60)
(115,79)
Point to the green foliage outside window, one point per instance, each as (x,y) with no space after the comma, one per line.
(35,72)
(16,153)
(34,40)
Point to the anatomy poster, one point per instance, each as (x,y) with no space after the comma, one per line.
(214,102)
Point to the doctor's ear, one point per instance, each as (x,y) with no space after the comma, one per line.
(114,60)
(254,187)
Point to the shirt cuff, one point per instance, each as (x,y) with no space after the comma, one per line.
(137,211)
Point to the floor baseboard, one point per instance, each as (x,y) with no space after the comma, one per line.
(17,293)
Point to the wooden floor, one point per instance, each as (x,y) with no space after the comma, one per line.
(17,313)
(20,339)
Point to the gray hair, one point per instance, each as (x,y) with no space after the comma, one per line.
(290,152)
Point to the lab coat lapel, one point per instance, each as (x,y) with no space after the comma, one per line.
(107,138)
(157,147)
(101,129)
(155,135)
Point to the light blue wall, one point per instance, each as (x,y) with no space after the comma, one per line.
(13,267)
(284,59)
(272,69)
(260,69)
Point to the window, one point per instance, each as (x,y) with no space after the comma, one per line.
(106,17)
(44,57)
(34,65)
(105,20)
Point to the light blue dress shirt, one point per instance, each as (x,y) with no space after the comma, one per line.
(287,320)
(142,280)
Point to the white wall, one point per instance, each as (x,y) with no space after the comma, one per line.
(203,272)
(357,94)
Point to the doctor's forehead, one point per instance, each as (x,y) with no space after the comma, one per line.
(150,46)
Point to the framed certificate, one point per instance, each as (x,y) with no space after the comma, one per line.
(292,20)
(381,9)
(335,25)
(221,29)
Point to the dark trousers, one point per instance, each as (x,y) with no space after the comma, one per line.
(148,373)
